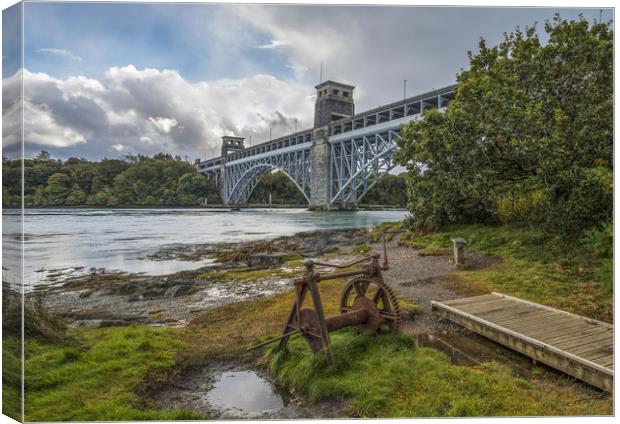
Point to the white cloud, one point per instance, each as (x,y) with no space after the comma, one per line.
(41,126)
(272,45)
(149,110)
(163,125)
(298,70)
(62,53)
(118,147)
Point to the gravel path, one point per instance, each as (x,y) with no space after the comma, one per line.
(419,279)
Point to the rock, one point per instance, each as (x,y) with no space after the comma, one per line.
(179,290)
(128,288)
(266,260)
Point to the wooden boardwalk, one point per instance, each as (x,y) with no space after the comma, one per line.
(576,345)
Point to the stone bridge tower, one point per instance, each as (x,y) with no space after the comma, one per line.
(230,144)
(334,101)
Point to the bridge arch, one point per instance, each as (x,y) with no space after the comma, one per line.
(249,179)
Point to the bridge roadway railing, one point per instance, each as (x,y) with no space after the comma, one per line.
(401,110)
(290,142)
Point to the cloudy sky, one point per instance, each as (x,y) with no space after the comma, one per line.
(103,80)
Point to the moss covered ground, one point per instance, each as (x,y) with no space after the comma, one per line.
(98,374)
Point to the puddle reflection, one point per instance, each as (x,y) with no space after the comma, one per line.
(243,393)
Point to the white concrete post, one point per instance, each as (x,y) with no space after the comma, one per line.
(458,247)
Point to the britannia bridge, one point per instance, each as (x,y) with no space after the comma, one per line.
(333,164)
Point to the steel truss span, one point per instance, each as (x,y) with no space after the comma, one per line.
(242,178)
(356,164)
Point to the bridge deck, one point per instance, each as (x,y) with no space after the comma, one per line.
(576,345)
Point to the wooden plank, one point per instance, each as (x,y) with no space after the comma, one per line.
(545,332)
(494,305)
(569,334)
(472,299)
(514,312)
(575,335)
(533,314)
(582,341)
(583,369)
(554,316)
(482,304)
(552,322)
(548,330)
(606,361)
(548,323)
(585,349)
(595,352)
(539,305)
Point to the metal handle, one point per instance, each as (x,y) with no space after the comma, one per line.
(385,266)
(355,262)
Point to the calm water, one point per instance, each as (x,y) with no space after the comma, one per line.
(243,393)
(62,242)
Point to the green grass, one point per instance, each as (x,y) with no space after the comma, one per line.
(387,376)
(531,268)
(11,377)
(98,375)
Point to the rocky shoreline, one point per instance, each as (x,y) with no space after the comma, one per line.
(236,272)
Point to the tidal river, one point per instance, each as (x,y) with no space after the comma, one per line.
(64,242)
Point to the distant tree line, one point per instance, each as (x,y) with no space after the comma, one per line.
(528,137)
(160,180)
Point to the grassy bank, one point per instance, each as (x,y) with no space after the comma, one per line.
(570,278)
(97,374)
(388,376)
(104,374)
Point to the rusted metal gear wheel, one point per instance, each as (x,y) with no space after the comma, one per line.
(380,293)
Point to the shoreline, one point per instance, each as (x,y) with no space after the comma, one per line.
(215,206)
(235,272)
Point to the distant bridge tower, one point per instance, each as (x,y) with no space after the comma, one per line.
(334,101)
(230,145)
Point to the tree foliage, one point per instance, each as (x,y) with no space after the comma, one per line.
(528,137)
(283,191)
(389,190)
(161,180)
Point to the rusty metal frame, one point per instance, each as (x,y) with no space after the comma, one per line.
(309,284)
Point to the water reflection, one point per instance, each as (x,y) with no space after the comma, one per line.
(243,393)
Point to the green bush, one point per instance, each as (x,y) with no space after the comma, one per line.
(527,138)
(599,240)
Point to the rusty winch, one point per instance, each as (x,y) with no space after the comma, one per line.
(367,303)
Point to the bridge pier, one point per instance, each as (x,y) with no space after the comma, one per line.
(319,156)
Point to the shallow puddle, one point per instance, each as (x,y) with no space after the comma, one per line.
(245,394)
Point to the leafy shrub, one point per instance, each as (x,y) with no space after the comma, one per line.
(599,240)
(528,136)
